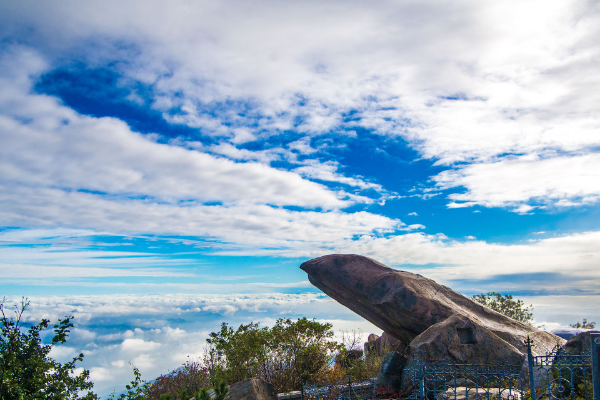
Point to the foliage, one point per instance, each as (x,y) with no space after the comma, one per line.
(347,362)
(202,395)
(364,368)
(583,325)
(507,305)
(190,377)
(26,371)
(285,355)
(221,390)
(135,390)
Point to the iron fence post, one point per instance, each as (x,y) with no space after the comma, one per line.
(302,391)
(349,388)
(528,342)
(421,375)
(595,350)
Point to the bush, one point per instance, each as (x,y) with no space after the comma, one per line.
(505,304)
(286,355)
(583,325)
(348,364)
(27,372)
(190,378)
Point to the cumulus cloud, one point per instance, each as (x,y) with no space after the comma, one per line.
(45,143)
(461,85)
(462,82)
(60,168)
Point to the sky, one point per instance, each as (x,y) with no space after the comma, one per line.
(167,166)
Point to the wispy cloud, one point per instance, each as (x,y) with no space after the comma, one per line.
(525,183)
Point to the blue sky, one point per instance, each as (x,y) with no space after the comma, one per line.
(156,151)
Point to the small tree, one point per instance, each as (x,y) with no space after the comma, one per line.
(136,390)
(190,377)
(27,372)
(286,355)
(221,391)
(507,305)
(583,325)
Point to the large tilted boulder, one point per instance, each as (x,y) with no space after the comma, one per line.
(405,305)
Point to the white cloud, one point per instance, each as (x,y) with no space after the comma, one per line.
(35,272)
(242,225)
(220,309)
(576,255)
(526,182)
(522,72)
(63,169)
(136,345)
(45,144)
(466,81)
(328,172)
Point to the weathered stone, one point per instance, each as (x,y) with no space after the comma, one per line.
(370,346)
(390,371)
(382,345)
(252,389)
(579,344)
(387,343)
(462,341)
(405,305)
(349,358)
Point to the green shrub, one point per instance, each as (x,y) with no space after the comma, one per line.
(27,372)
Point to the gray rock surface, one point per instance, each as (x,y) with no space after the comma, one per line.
(405,305)
(390,372)
(370,346)
(349,358)
(579,344)
(252,389)
(382,345)
(460,340)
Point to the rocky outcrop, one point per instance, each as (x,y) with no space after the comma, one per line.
(579,344)
(252,389)
(405,305)
(381,345)
(370,345)
(348,358)
(390,372)
(460,340)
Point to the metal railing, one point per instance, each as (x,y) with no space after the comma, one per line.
(341,390)
(555,376)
